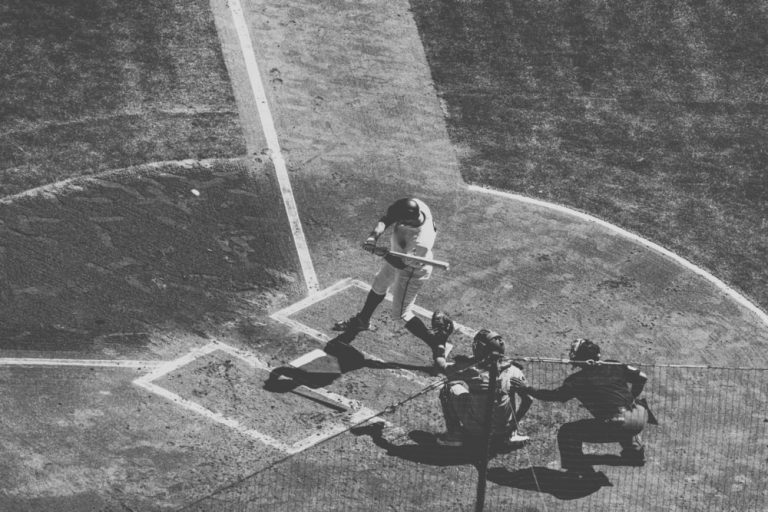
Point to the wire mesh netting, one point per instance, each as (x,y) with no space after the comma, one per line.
(709,452)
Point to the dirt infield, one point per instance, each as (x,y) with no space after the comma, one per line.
(137,303)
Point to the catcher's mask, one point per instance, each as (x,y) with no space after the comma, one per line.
(583,349)
(487,342)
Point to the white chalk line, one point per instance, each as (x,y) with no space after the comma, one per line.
(169,366)
(161,368)
(146,382)
(103,363)
(214,416)
(283,316)
(313,355)
(52,188)
(307,358)
(270,133)
(733,294)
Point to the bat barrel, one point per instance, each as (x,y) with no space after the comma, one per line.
(428,261)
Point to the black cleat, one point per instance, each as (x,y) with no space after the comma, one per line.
(354,324)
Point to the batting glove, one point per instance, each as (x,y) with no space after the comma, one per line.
(370,244)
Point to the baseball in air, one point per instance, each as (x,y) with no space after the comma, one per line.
(195,192)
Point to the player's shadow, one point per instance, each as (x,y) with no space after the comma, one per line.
(544,480)
(423,448)
(342,358)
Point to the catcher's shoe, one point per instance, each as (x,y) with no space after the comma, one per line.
(354,324)
(517,439)
(442,324)
(449,438)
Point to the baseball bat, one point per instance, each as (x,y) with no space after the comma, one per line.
(317,397)
(437,263)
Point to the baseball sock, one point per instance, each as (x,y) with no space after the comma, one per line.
(371,303)
(416,327)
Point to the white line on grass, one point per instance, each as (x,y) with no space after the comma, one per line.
(739,298)
(268,125)
(105,363)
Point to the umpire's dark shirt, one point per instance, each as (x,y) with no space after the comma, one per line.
(602,388)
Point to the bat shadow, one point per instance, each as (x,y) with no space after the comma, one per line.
(346,359)
(559,484)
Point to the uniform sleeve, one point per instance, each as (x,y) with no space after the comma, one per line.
(568,388)
(636,379)
(634,375)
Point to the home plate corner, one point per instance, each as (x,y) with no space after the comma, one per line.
(354,412)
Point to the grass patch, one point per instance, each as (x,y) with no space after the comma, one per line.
(652,116)
(93,85)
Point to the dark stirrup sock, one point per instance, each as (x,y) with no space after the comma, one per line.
(416,327)
(372,301)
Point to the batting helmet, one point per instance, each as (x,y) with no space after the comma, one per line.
(583,349)
(405,209)
(487,342)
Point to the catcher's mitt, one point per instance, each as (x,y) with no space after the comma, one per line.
(442,324)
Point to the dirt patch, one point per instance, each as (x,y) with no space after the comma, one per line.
(134,249)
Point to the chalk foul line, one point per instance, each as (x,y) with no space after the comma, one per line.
(732,293)
(270,133)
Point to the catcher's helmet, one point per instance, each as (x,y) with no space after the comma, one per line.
(405,209)
(487,342)
(583,349)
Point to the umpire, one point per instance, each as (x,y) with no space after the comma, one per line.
(609,392)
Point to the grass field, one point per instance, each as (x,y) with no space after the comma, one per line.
(650,115)
(140,221)
(91,86)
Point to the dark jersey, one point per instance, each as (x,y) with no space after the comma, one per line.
(603,389)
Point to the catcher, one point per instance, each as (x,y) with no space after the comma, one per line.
(413,233)
(610,392)
(464,399)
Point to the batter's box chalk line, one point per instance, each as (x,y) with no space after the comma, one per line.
(284,316)
(146,382)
